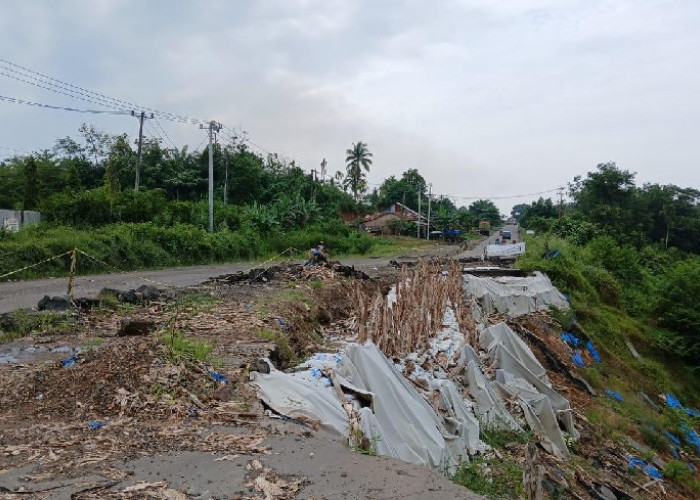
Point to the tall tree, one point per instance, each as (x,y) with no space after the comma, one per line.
(358,158)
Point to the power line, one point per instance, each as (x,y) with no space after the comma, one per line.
(91,101)
(84,94)
(164,132)
(63,108)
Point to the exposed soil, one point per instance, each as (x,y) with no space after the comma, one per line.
(136,417)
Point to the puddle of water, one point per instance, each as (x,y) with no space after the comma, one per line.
(29,353)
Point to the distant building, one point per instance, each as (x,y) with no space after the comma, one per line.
(13,220)
(379,221)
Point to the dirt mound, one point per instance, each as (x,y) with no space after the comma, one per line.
(289,272)
(121,379)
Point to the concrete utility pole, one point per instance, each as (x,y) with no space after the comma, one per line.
(561,200)
(142,116)
(213,128)
(430,199)
(324,166)
(225,179)
(418,229)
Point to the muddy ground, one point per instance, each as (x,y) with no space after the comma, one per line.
(152,400)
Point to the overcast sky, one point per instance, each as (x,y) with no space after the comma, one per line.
(484,97)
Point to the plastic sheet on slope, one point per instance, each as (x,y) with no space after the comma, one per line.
(506,250)
(515,295)
(407,424)
(489,404)
(501,333)
(297,396)
(399,420)
(511,362)
(539,413)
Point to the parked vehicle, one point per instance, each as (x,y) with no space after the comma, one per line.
(506,235)
(484,227)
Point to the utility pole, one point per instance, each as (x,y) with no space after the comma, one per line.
(213,128)
(314,180)
(225,179)
(430,199)
(561,200)
(418,230)
(142,116)
(324,166)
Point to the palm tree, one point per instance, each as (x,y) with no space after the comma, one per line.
(358,158)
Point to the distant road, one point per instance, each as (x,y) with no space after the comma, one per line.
(26,294)
(478,250)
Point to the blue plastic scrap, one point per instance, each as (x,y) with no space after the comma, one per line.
(578,359)
(691,437)
(594,352)
(283,324)
(218,377)
(673,402)
(70,361)
(570,339)
(96,424)
(613,394)
(648,469)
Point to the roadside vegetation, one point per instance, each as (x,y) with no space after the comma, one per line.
(628,260)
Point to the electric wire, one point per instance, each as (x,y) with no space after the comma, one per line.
(158,124)
(83,93)
(63,108)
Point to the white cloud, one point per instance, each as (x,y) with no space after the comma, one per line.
(484,97)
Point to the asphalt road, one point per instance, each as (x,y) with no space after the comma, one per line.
(478,250)
(26,294)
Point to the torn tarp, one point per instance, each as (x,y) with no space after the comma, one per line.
(525,377)
(394,415)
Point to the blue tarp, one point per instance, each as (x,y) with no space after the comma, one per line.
(69,362)
(594,353)
(648,469)
(570,339)
(96,424)
(218,377)
(578,359)
(613,394)
(673,402)
(691,437)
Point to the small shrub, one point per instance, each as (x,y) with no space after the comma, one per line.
(182,348)
(493,478)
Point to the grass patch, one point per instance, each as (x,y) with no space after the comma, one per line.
(182,348)
(21,323)
(492,478)
(498,438)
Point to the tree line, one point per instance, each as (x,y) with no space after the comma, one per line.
(635,247)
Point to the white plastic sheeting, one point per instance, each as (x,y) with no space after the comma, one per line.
(514,295)
(506,250)
(520,375)
(398,420)
(397,417)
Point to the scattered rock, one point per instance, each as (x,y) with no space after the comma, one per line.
(59,303)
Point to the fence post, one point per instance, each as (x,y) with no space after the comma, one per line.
(71,274)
